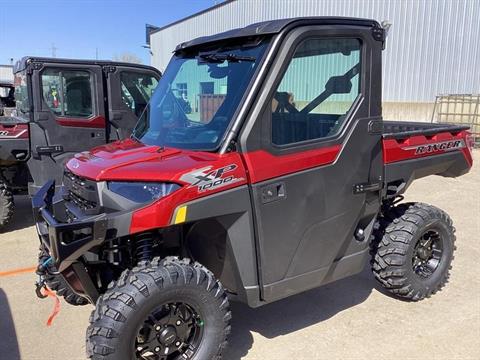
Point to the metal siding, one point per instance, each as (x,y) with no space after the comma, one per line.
(433,46)
(6,73)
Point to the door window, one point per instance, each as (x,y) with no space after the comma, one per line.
(317,90)
(137,89)
(68,92)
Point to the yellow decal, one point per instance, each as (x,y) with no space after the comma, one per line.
(181,215)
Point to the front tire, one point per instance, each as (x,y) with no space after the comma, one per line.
(57,283)
(164,309)
(413,251)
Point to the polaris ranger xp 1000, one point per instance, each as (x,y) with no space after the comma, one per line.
(280,177)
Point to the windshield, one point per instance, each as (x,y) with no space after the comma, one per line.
(22,102)
(196,98)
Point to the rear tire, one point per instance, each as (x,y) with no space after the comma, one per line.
(164,309)
(413,250)
(7,205)
(58,284)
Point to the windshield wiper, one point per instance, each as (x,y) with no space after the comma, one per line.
(220,58)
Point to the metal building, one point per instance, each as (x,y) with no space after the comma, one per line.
(433,46)
(6,73)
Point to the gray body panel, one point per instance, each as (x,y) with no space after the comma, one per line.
(232,209)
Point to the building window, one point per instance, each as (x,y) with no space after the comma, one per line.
(182,89)
(207,88)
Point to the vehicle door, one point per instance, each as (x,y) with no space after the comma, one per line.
(316,151)
(69,115)
(129,91)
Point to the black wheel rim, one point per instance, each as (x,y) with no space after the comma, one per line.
(427,254)
(171,331)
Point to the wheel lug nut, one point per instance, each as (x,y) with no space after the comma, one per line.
(179,323)
(157,349)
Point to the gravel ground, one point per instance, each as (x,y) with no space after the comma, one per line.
(349,319)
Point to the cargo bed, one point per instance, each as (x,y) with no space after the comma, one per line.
(405,129)
(413,150)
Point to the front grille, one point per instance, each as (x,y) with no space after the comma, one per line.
(82,203)
(81,192)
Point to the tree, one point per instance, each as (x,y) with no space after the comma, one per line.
(128,57)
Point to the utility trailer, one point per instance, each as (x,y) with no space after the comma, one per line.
(64,106)
(279,189)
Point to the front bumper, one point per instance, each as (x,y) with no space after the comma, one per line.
(68,240)
(69,237)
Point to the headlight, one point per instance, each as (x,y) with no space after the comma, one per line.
(142,192)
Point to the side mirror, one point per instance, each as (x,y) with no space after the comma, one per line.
(339,85)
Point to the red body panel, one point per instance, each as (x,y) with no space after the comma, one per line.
(406,149)
(17,131)
(267,166)
(129,160)
(97,122)
(203,173)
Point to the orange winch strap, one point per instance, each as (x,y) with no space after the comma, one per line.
(56,307)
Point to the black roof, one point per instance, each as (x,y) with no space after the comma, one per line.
(25,61)
(274,27)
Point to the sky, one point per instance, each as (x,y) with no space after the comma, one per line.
(80,28)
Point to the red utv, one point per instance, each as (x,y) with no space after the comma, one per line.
(64,106)
(281,178)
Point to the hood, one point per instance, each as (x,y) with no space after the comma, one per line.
(129,160)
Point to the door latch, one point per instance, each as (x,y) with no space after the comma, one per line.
(49,149)
(273,192)
(366,187)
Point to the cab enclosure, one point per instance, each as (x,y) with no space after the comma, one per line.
(63,107)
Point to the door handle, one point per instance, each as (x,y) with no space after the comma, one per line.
(273,192)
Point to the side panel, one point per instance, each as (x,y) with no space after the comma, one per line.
(401,174)
(420,146)
(307,238)
(69,116)
(306,210)
(232,209)
(14,141)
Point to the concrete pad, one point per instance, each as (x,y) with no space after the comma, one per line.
(349,319)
